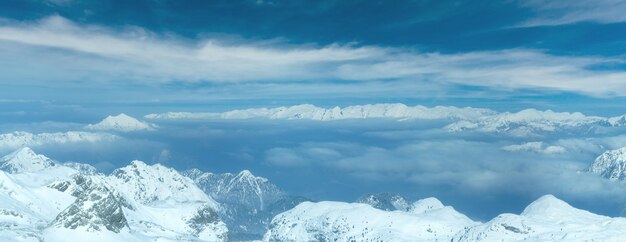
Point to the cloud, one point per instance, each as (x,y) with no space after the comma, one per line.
(562,12)
(537,147)
(14,140)
(464,166)
(63,51)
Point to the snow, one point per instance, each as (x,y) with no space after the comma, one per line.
(611,164)
(121,123)
(20,139)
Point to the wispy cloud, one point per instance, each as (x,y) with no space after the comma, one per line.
(567,12)
(64,51)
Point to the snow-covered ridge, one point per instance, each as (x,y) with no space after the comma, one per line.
(548,219)
(339,221)
(545,219)
(528,122)
(48,201)
(122,123)
(611,164)
(20,139)
(311,112)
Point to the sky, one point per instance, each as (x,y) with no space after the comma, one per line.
(67,63)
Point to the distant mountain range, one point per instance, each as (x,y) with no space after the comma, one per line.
(527,122)
(45,200)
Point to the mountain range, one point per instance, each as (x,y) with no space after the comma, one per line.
(45,200)
(528,122)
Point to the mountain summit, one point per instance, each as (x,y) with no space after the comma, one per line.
(611,164)
(122,123)
(25,160)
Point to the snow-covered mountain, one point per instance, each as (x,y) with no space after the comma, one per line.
(308,111)
(528,122)
(338,221)
(611,164)
(546,219)
(153,183)
(140,202)
(25,160)
(21,139)
(43,200)
(385,201)
(121,123)
(248,202)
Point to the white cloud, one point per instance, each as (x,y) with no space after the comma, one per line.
(64,51)
(537,147)
(567,12)
(467,166)
(12,141)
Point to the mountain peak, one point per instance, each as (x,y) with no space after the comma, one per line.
(25,160)
(425,205)
(150,183)
(548,205)
(248,176)
(122,123)
(611,164)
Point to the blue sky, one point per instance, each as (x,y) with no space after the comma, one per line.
(66,63)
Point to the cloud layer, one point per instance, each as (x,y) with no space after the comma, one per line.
(67,52)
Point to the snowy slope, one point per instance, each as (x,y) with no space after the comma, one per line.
(610,164)
(121,123)
(20,139)
(338,221)
(548,219)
